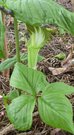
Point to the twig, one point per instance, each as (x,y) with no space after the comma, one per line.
(7,130)
(26,133)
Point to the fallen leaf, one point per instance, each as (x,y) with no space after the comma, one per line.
(57,71)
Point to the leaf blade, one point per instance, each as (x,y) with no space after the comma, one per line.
(27,79)
(20,112)
(58,88)
(38,12)
(56,112)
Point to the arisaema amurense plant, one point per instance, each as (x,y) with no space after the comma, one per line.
(31,87)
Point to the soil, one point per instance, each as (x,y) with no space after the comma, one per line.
(59,43)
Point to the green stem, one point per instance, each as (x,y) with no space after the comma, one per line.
(32,57)
(17,39)
(5,42)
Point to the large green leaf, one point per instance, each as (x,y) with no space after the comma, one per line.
(58,88)
(20,112)
(27,79)
(2,2)
(8,63)
(56,111)
(38,12)
(2,30)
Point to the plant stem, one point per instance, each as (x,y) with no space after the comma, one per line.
(32,57)
(5,41)
(17,39)
(5,73)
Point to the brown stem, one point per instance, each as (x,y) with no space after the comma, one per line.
(6,72)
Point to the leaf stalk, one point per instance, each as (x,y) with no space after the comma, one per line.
(17,39)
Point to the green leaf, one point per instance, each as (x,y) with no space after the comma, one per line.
(24,57)
(20,112)
(38,12)
(40,58)
(60,56)
(8,63)
(58,88)
(27,79)
(11,95)
(2,32)
(56,111)
(2,2)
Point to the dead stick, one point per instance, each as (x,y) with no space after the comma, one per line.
(7,130)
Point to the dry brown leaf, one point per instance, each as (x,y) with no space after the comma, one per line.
(57,71)
(54,131)
(65,68)
(70,63)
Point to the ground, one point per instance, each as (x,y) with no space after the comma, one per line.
(59,43)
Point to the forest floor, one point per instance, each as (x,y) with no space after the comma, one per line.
(50,66)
